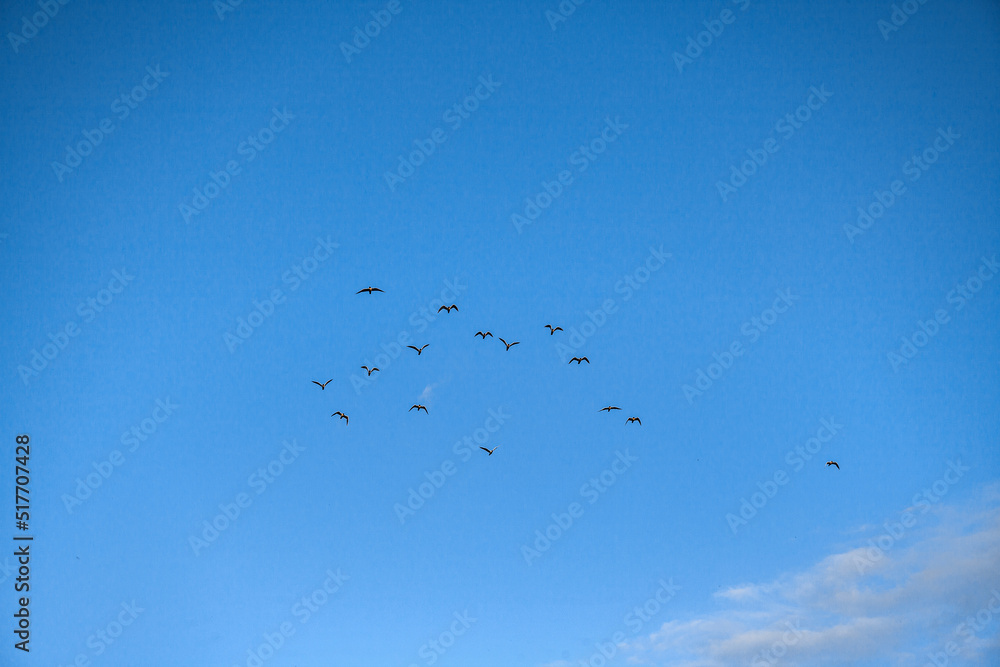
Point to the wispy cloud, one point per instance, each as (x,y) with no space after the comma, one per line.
(428,392)
(908,604)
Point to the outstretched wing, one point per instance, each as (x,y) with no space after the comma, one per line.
(558,329)
(375,289)
(585,359)
(486,450)
(316,383)
(442,308)
(413,348)
(424,409)
(515,343)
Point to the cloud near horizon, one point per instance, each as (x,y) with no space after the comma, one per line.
(888,601)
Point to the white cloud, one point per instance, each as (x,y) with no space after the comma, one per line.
(866,605)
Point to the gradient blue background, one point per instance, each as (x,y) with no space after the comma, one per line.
(323,176)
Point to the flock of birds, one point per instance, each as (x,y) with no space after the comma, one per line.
(482,334)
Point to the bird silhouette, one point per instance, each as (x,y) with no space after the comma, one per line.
(579,359)
(609,408)
(484,335)
(833,463)
(552,329)
(370,370)
(342,416)
(418,349)
(369,290)
(633,419)
(419,408)
(448,308)
(509,345)
(323,386)
(489,452)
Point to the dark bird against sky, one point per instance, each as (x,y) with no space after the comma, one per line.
(419,408)
(323,386)
(484,335)
(509,345)
(489,452)
(579,359)
(833,463)
(448,308)
(342,416)
(418,349)
(609,408)
(370,370)
(552,329)
(369,290)
(633,419)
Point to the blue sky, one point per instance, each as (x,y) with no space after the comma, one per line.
(194,192)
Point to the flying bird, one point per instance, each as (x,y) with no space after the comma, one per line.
(489,452)
(579,359)
(552,330)
(484,335)
(609,408)
(448,308)
(323,386)
(419,408)
(633,419)
(369,290)
(418,349)
(370,370)
(342,416)
(833,463)
(509,345)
